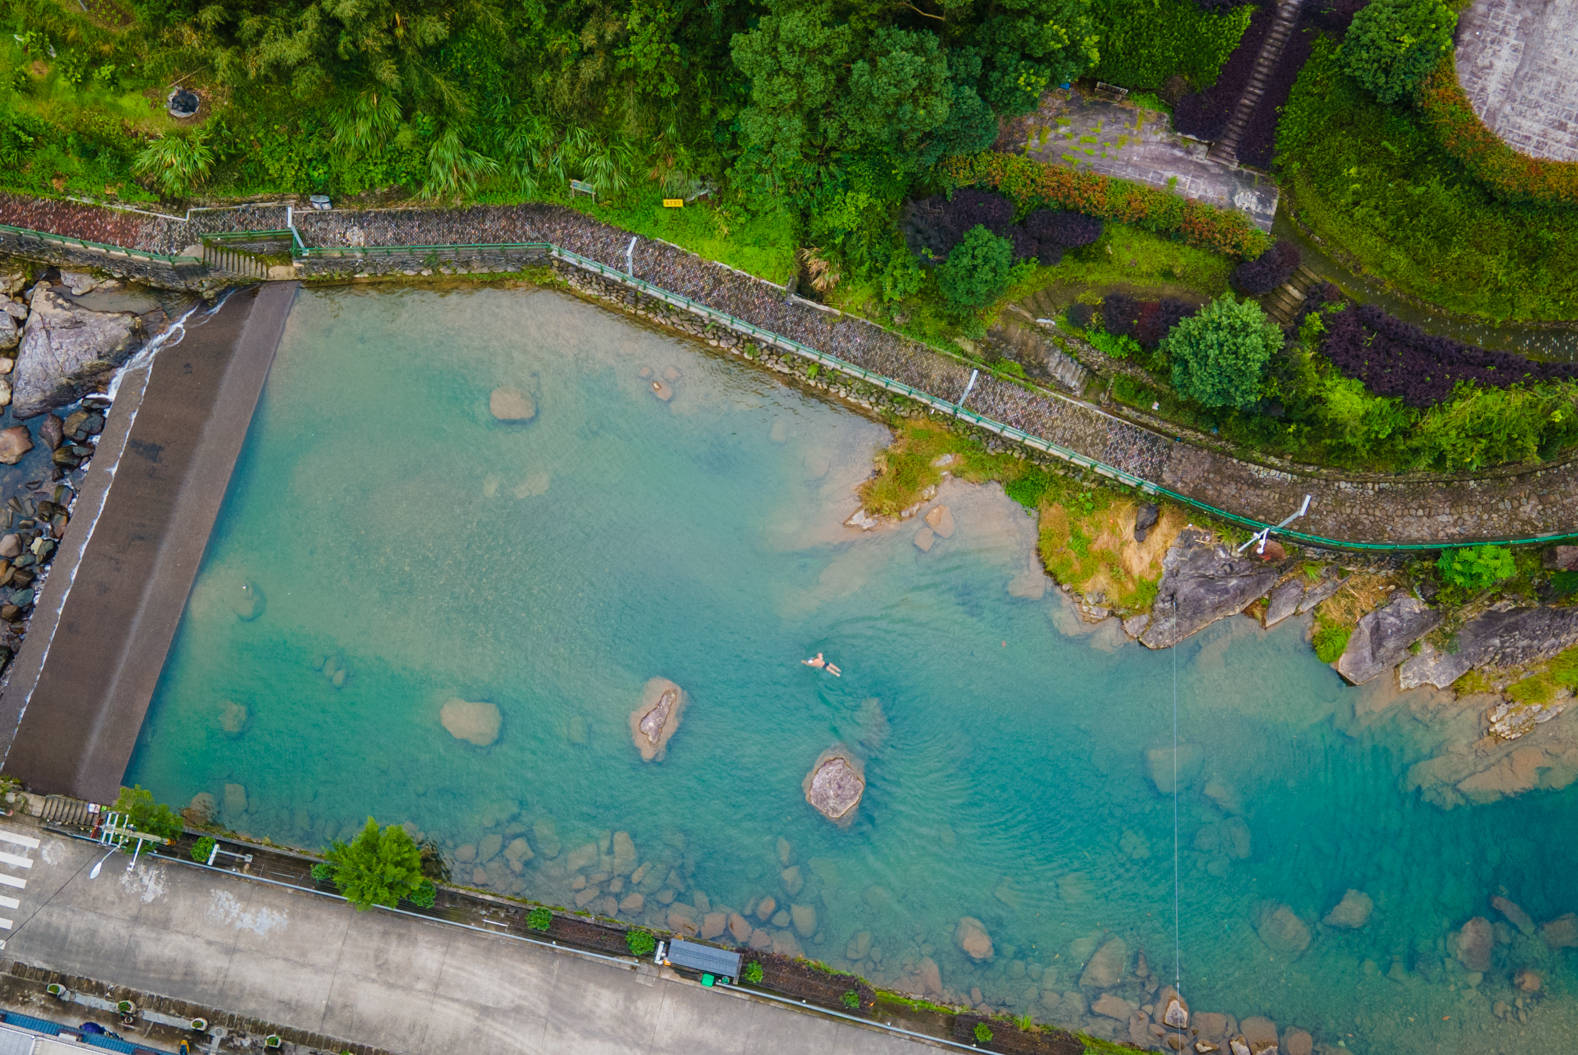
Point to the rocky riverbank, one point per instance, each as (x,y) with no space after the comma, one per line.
(58,353)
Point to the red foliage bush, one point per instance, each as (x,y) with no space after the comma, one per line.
(1394,358)
(1268,271)
(1031,182)
(1204,115)
(1507,174)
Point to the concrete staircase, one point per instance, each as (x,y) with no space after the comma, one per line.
(231,261)
(1018,333)
(1225,149)
(1283,304)
(63,811)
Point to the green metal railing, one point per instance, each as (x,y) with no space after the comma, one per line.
(100,247)
(249,236)
(775,340)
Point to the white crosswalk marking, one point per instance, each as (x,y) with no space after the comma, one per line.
(14,855)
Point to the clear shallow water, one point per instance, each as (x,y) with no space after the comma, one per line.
(392,527)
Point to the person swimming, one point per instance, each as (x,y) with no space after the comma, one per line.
(820,663)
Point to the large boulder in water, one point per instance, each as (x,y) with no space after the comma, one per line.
(654,721)
(14,442)
(1282,930)
(64,350)
(835,784)
(1106,965)
(1201,583)
(1352,912)
(473,721)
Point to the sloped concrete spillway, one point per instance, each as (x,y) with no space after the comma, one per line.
(82,681)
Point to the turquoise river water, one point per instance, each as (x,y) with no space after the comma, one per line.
(403,549)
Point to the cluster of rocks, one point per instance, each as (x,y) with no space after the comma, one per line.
(1502,953)
(62,349)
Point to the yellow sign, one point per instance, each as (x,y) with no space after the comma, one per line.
(673,203)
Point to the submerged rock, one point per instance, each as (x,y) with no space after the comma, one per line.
(970,935)
(1561,932)
(65,349)
(1475,942)
(1106,965)
(1352,912)
(940,520)
(235,801)
(1201,583)
(233,717)
(247,602)
(474,721)
(1514,914)
(200,811)
(1175,1011)
(1284,601)
(835,785)
(511,404)
(1282,930)
(655,720)
(1381,639)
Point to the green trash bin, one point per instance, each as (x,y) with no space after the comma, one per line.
(707,980)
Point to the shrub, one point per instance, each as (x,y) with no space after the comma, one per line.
(381,866)
(175,164)
(1220,353)
(983,1033)
(1268,271)
(1392,45)
(323,872)
(1476,568)
(1157,319)
(1394,358)
(202,848)
(539,919)
(425,895)
(933,226)
(1063,229)
(1120,314)
(1079,315)
(1503,171)
(753,972)
(976,272)
(850,999)
(145,815)
(1331,641)
(1143,45)
(640,942)
(1032,184)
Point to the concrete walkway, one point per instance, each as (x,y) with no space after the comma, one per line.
(398,983)
(1133,143)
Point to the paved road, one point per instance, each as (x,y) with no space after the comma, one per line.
(399,983)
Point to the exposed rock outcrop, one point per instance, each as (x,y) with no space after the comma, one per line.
(835,785)
(1201,583)
(655,720)
(64,350)
(1381,639)
(1509,637)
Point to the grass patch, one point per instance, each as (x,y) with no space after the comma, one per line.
(760,244)
(905,469)
(1330,639)
(1135,261)
(1560,674)
(1374,180)
(1086,542)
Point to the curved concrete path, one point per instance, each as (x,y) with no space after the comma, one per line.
(398,983)
(1512,504)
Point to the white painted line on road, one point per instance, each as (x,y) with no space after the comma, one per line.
(14,861)
(20,840)
(6,880)
(9,902)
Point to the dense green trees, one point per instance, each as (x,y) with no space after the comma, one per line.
(380,866)
(1394,44)
(1219,354)
(976,271)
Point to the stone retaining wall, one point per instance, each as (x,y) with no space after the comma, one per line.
(136,268)
(1505,504)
